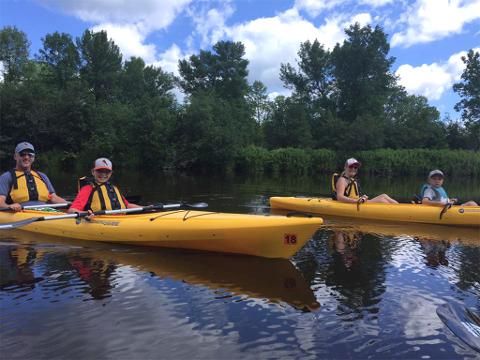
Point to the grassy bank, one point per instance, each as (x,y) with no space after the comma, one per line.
(382,161)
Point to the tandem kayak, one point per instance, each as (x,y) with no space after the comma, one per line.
(456,215)
(265,236)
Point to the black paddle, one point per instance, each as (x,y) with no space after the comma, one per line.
(156,207)
(447,206)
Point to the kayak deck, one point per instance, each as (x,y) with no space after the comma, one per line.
(456,215)
(266,236)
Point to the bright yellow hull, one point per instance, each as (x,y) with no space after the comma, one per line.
(456,215)
(266,236)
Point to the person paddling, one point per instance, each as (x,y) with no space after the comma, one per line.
(433,193)
(346,187)
(22,185)
(98,193)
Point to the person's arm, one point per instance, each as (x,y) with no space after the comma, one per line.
(340,186)
(78,205)
(54,198)
(429,195)
(14,206)
(5,186)
(128,204)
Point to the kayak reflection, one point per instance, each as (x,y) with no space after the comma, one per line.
(464,235)
(276,280)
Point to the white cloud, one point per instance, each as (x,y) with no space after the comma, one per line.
(168,60)
(430,20)
(432,80)
(376,3)
(210,23)
(315,7)
(130,39)
(275,40)
(146,14)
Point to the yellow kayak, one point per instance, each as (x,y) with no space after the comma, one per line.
(456,215)
(265,236)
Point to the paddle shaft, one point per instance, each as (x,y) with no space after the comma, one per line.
(24,222)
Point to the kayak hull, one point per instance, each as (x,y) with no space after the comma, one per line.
(265,236)
(456,215)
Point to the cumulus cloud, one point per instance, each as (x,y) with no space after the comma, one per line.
(430,20)
(432,80)
(148,15)
(210,22)
(376,3)
(275,40)
(130,39)
(315,7)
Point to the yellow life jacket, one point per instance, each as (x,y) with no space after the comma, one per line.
(28,187)
(352,190)
(104,196)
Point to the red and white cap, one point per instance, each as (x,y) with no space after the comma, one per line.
(102,163)
(352,161)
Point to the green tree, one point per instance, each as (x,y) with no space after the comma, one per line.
(14,47)
(361,68)
(288,125)
(61,56)
(101,63)
(469,90)
(223,71)
(412,123)
(313,80)
(257,100)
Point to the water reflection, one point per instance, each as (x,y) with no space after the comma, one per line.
(16,266)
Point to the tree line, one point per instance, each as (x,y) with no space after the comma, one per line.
(78,99)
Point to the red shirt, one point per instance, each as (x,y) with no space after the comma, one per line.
(82,197)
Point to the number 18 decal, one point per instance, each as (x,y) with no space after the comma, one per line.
(289,239)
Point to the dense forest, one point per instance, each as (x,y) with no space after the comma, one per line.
(78,99)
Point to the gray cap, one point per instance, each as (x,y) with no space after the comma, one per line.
(435,172)
(102,163)
(24,146)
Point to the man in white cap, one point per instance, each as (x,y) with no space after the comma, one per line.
(23,186)
(98,193)
(433,193)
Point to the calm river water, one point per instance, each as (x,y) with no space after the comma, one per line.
(356,290)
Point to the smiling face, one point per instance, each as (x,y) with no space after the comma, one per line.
(101,175)
(352,170)
(436,180)
(24,160)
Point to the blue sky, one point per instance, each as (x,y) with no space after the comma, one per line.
(427,37)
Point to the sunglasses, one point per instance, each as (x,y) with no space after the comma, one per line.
(104,171)
(354,167)
(25,153)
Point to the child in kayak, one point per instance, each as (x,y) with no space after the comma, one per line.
(98,193)
(347,188)
(433,193)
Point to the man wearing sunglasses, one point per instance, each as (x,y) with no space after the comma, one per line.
(23,186)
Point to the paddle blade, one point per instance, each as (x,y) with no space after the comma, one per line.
(463,322)
(17,224)
(200,205)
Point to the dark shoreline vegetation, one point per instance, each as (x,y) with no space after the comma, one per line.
(78,99)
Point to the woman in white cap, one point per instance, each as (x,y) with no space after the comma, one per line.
(347,189)
(433,193)
(98,193)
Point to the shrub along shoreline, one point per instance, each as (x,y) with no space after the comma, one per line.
(387,162)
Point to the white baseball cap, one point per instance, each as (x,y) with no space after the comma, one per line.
(352,161)
(102,163)
(435,172)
